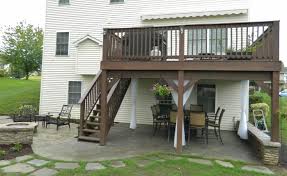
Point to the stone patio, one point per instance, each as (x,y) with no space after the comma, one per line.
(123,142)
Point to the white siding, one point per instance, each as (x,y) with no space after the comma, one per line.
(84,17)
(89,56)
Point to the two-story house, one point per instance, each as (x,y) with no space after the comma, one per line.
(93,48)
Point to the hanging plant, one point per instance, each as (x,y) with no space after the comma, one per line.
(161,91)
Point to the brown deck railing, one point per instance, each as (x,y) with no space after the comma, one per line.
(239,41)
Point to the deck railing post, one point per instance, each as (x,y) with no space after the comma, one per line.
(275,40)
(275,107)
(105,45)
(82,116)
(181,43)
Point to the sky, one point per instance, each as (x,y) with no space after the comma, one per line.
(33,12)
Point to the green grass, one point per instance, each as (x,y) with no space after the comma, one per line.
(15,92)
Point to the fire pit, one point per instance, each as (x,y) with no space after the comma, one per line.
(17,132)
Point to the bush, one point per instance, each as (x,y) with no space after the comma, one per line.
(260,97)
(2,153)
(3,73)
(17,147)
(263,106)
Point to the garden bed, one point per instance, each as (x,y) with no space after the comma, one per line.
(15,150)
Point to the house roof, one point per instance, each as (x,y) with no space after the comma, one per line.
(193,14)
(88,37)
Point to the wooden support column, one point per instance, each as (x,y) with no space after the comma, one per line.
(104,108)
(180,111)
(180,93)
(275,108)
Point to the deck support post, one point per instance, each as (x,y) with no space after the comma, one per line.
(180,111)
(275,108)
(104,108)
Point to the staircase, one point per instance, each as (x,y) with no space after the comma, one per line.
(94,127)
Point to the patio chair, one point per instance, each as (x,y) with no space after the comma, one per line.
(157,119)
(25,113)
(216,125)
(212,117)
(63,118)
(196,108)
(171,123)
(198,121)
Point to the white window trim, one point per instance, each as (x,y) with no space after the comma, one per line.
(69,44)
(67,90)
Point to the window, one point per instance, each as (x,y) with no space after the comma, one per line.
(74,94)
(202,41)
(64,2)
(206,97)
(62,44)
(117,1)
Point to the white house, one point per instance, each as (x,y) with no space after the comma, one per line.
(73,43)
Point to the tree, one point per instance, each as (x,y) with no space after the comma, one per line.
(22,49)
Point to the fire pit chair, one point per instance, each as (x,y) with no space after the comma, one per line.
(63,118)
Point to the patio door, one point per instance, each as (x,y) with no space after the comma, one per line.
(206,96)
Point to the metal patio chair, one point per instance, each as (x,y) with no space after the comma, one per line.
(198,120)
(63,118)
(216,125)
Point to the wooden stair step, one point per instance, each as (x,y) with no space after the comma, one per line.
(87,138)
(93,123)
(91,130)
(96,112)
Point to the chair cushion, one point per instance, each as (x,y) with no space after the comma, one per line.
(197,119)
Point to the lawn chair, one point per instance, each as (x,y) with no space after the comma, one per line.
(216,125)
(259,120)
(212,117)
(63,118)
(25,113)
(198,121)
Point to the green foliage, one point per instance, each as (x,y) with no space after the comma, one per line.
(3,73)
(161,90)
(263,106)
(259,97)
(22,48)
(17,147)
(2,153)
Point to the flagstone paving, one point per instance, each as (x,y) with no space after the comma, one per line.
(44,172)
(143,163)
(224,163)
(200,161)
(23,158)
(18,168)
(259,169)
(61,165)
(5,162)
(117,164)
(37,162)
(94,166)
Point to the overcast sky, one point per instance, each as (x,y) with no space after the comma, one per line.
(33,12)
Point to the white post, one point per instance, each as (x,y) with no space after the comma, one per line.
(134,87)
(244,94)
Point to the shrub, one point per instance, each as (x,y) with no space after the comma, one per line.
(17,147)
(263,106)
(259,97)
(2,153)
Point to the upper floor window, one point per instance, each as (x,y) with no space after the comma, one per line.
(64,2)
(117,1)
(62,44)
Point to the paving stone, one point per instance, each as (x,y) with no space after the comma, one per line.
(117,164)
(44,172)
(5,162)
(143,163)
(66,165)
(37,162)
(259,169)
(23,158)
(94,166)
(200,161)
(18,168)
(224,163)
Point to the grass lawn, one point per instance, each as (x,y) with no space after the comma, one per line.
(158,164)
(15,92)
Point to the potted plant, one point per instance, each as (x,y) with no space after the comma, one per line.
(161,92)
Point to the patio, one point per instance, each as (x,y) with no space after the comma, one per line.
(124,142)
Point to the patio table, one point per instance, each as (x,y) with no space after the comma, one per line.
(43,118)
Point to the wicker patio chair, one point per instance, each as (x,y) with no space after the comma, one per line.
(63,118)
(198,121)
(216,125)
(25,113)
(196,108)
